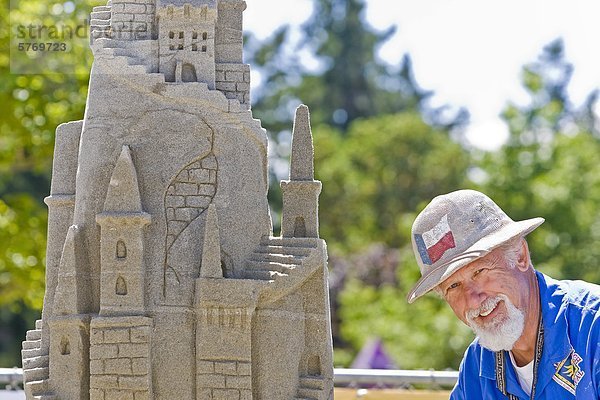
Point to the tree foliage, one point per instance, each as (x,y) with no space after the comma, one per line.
(33,104)
(36,104)
(378,174)
(375,178)
(549,168)
(371,288)
(350,81)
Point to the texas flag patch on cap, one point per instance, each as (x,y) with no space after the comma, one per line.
(435,242)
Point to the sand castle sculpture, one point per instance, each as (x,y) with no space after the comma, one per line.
(164,280)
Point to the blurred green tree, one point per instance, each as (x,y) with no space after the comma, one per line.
(34,105)
(549,168)
(348,82)
(376,177)
(379,148)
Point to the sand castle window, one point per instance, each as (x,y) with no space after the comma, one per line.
(121,286)
(188,73)
(314,365)
(121,249)
(171,36)
(299,227)
(194,47)
(178,43)
(204,49)
(224,269)
(204,35)
(195,35)
(65,346)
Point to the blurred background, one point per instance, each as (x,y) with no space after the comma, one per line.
(408,100)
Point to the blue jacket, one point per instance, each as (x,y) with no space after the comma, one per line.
(570,363)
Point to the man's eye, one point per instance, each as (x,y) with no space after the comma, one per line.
(453,286)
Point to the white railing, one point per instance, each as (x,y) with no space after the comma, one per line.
(10,378)
(393,377)
(13,377)
(397,378)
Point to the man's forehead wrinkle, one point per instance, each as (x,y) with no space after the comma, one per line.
(491,260)
(494,260)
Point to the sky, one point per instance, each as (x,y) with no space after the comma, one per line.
(469,52)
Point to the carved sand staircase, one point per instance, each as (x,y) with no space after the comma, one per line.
(287,263)
(129,56)
(278,257)
(311,388)
(141,57)
(124,58)
(136,57)
(100,22)
(35,365)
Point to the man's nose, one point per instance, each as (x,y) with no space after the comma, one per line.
(474,295)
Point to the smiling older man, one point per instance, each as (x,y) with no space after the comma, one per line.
(537,338)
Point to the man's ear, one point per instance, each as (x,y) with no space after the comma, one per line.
(523,257)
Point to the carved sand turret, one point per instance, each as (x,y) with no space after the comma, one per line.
(300,214)
(122,222)
(164,280)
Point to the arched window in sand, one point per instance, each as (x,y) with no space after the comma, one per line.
(121,286)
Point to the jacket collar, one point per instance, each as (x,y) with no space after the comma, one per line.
(556,339)
(557,347)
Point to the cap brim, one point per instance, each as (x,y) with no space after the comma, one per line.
(481,248)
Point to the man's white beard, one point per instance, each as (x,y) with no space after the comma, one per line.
(502,332)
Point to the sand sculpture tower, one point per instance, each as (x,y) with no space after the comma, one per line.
(163,278)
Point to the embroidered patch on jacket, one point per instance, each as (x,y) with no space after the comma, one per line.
(568,373)
(435,242)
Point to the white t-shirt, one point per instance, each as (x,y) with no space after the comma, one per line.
(524,374)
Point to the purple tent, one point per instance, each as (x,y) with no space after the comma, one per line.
(373,356)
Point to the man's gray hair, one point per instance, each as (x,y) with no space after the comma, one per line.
(511,250)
